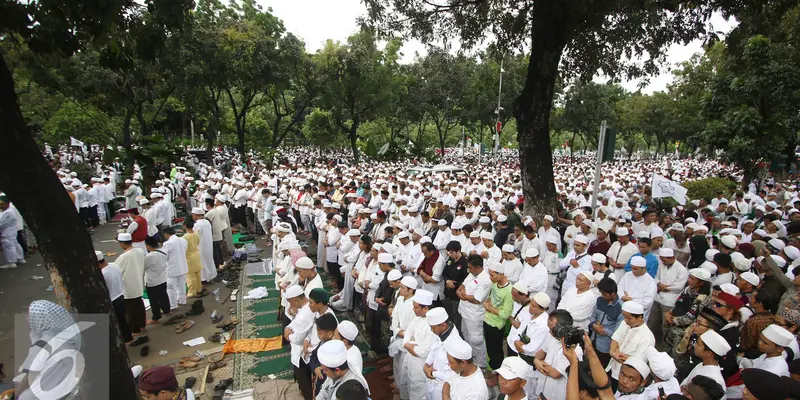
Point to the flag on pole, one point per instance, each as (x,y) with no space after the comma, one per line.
(663,187)
(75,142)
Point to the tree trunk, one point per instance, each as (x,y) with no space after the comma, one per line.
(209,147)
(240,144)
(64,242)
(571,146)
(353,141)
(532,107)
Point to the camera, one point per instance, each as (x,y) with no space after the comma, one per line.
(571,335)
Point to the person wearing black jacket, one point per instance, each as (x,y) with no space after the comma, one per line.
(454,273)
(383,296)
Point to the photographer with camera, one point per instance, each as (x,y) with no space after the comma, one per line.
(632,338)
(587,379)
(550,361)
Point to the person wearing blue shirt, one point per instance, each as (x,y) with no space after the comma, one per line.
(644,244)
(605,318)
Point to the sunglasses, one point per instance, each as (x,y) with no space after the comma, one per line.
(720,305)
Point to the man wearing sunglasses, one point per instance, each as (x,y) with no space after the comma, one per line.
(727,306)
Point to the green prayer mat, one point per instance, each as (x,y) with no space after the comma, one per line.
(276,362)
(237,239)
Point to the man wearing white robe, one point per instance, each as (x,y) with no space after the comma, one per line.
(436,368)
(632,338)
(620,252)
(511,264)
(534,273)
(580,301)
(637,285)
(203,228)
(177,267)
(350,243)
(417,342)
(402,315)
(552,263)
(575,262)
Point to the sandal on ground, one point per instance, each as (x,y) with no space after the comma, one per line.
(189,383)
(216,365)
(216,319)
(219,390)
(145,351)
(139,340)
(187,364)
(216,337)
(175,319)
(191,358)
(185,326)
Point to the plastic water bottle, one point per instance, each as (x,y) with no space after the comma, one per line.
(216,294)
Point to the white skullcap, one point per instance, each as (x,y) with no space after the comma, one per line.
(531,253)
(633,307)
(728,241)
(348,330)
(709,266)
(548,218)
(777,243)
(778,335)
(436,316)
(743,264)
(425,239)
(409,282)
(220,198)
(588,275)
(778,260)
(508,248)
(353,232)
(99,255)
(656,232)
(760,232)
(661,364)
(332,354)
(474,234)
(715,342)
(458,349)
(198,211)
(385,258)
(487,235)
(124,237)
(456,225)
(581,239)
(513,368)
(376,246)
(729,288)
(599,258)
(143,202)
(666,252)
(285,228)
(484,220)
(304,263)
(394,275)
(542,299)
(293,291)
(622,231)
(389,248)
(710,253)
(638,261)
(156,195)
(750,278)
(521,287)
(639,365)
(792,252)
(643,235)
(495,266)
(403,235)
(700,228)
(442,222)
(502,218)
(423,297)
(551,239)
(700,273)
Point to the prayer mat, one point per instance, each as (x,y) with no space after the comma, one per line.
(252,345)
(237,239)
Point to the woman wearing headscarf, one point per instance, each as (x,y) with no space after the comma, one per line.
(698,245)
(52,329)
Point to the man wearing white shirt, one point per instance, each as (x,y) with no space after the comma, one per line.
(417,342)
(637,285)
(113,278)
(131,264)
(442,237)
(772,341)
(529,240)
(520,316)
(297,331)
(670,281)
(468,382)
(710,348)
(547,230)
(436,368)
(471,294)
(620,252)
(580,301)
(491,251)
(631,339)
(511,264)
(575,262)
(177,267)
(534,273)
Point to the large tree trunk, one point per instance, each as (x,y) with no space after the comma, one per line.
(532,107)
(353,141)
(240,144)
(63,240)
(209,147)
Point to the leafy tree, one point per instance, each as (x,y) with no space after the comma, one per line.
(586,105)
(84,122)
(56,31)
(580,36)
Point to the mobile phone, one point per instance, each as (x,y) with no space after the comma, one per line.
(661,394)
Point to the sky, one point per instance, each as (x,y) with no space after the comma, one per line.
(316,21)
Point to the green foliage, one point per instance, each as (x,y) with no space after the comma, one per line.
(707,188)
(85,123)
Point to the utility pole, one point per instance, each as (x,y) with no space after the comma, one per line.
(496,146)
(598,164)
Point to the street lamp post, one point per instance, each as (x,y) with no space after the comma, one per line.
(496,146)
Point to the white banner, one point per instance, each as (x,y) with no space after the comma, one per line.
(663,187)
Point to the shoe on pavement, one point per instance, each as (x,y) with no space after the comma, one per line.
(22,261)
(8,266)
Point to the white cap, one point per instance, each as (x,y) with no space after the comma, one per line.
(548,218)
(124,237)
(581,239)
(293,291)
(502,218)
(750,278)
(385,258)
(656,232)
(729,288)
(442,222)
(474,234)
(484,220)
(728,241)
(394,275)
(743,264)
(508,248)
(495,266)
(143,202)
(638,261)
(542,299)
(792,252)
(661,364)
(99,255)
(409,282)
(716,342)
(599,258)
(513,368)
(458,349)
(777,243)
(456,225)
(623,231)
(198,211)
(304,263)
(348,330)
(423,297)
(700,273)
(436,316)
(531,253)
(521,287)
(332,354)
(552,239)
(487,236)
(778,335)
(633,307)
(639,365)
(666,252)
(353,232)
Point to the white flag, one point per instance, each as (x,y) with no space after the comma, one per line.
(663,187)
(75,142)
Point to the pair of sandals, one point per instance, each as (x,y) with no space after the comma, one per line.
(219,389)
(185,326)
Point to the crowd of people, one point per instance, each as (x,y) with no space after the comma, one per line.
(464,296)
